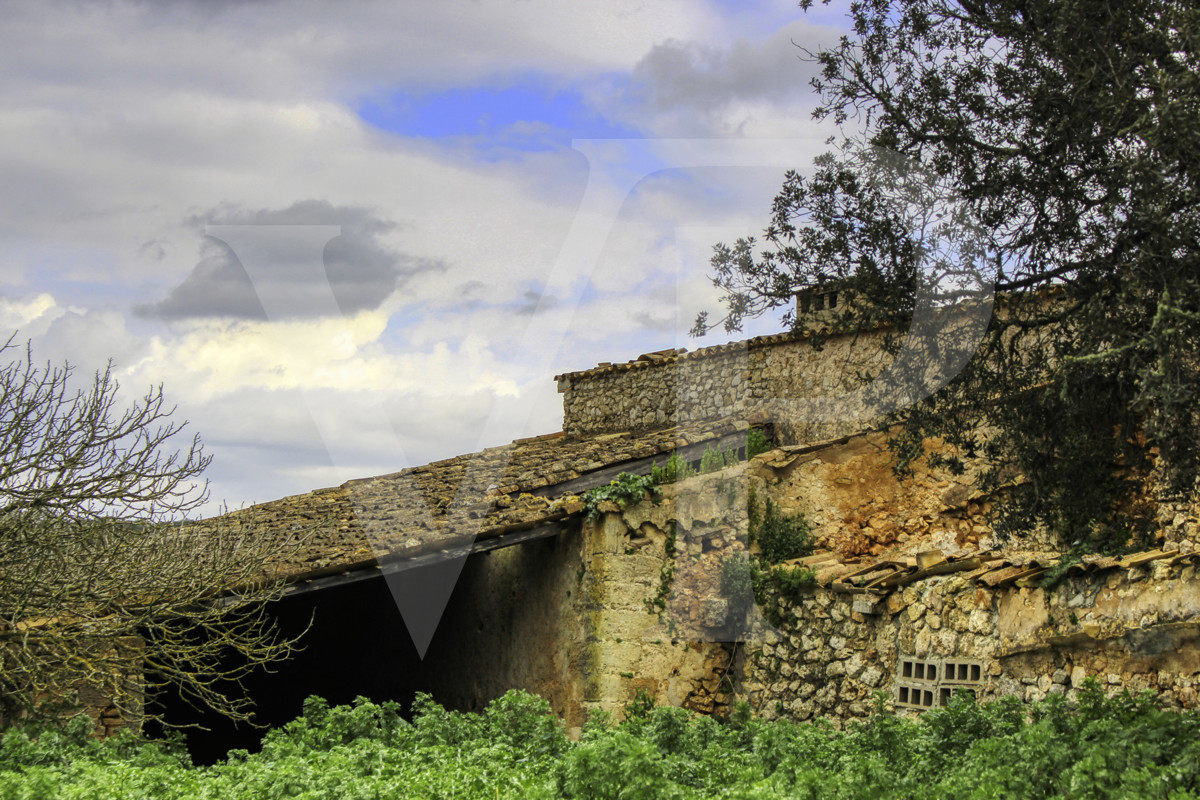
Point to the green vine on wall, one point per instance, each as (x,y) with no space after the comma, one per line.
(777,533)
(666,574)
(747,578)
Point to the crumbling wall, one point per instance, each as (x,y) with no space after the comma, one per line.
(1135,629)
(859,506)
(650,578)
(1179,523)
(1132,623)
(592,617)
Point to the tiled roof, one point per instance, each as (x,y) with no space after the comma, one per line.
(662,357)
(433,507)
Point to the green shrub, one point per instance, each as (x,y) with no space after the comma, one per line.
(1095,747)
(773,586)
(793,582)
(737,582)
(715,459)
(756,443)
(624,490)
(640,706)
(676,469)
(780,536)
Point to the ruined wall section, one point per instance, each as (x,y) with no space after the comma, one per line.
(1179,522)
(656,618)
(588,619)
(731,380)
(858,506)
(1135,629)
(654,602)
(908,572)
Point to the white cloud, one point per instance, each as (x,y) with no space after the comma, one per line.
(32,312)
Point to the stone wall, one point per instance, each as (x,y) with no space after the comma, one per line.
(1132,623)
(859,507)
(1136,629)
(732,380)
(515,622)
(648,593)
(575,619)
(635,642)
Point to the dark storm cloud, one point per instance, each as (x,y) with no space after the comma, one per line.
(360,268)
(654,322)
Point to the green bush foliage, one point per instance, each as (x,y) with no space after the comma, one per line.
(676,469)
(715,459)
(739,573)
(780,536)
(756,443)
(744,581)
(624,490)
(1093,747)
(747,578)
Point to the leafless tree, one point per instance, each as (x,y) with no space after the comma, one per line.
(106,587)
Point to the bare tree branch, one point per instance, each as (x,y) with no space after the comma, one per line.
(104,585)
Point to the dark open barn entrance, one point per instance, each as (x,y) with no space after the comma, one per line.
(511,622)
(357,646)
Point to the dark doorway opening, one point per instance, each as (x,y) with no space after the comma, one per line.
(357,645)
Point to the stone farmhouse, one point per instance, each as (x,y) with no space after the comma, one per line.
(505,581)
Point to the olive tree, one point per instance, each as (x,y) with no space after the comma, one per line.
(106,586)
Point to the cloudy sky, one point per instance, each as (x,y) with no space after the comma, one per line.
(349,238)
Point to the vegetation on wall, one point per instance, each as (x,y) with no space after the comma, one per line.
(747,578)
(756,443)
(666,576)
(780,537)
(627,488)
(1094,747)
(624,490)
(676,469)
(715,459)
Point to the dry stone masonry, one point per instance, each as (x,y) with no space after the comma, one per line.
(733,380)
(913,596)
(982,631)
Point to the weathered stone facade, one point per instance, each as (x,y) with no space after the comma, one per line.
(733,380)
(908,575)
(885,592)
(1136,628)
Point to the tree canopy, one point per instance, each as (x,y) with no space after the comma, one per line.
(1067,133)
(105,589)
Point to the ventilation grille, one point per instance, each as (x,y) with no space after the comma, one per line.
(929,683)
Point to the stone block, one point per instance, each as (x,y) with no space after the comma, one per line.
(866,606)
(871,676)
(980,621)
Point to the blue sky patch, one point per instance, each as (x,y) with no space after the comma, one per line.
(527,116)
